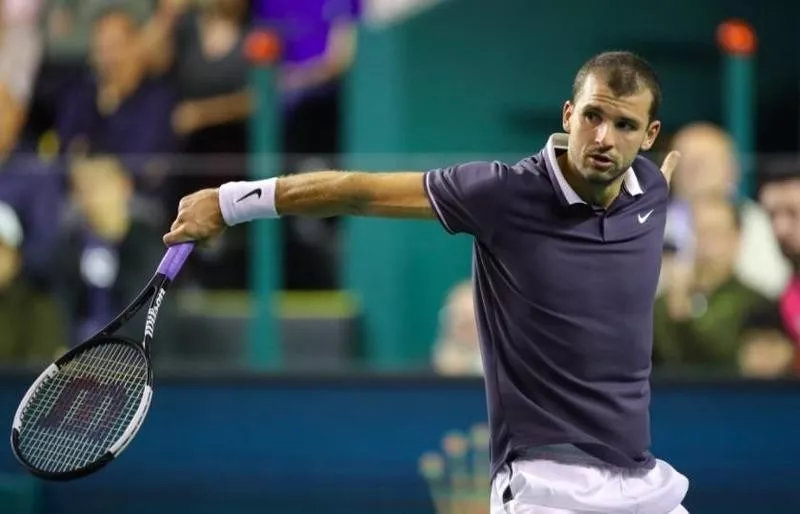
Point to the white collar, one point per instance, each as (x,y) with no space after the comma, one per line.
(559,141)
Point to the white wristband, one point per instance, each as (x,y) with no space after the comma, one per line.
(246,201)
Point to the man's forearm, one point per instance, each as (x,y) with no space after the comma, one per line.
(218,110)
(327,194)
(342,193)
(154,45)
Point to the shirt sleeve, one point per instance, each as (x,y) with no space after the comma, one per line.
(468,198)
(347,9)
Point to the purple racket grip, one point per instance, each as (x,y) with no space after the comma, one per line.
(173,260)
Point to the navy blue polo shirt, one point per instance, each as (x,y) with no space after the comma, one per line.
(564,297)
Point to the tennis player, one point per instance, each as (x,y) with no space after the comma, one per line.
(567,252)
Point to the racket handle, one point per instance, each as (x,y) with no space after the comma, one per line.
(173,260)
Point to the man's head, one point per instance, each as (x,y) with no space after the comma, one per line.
(457,351)
(708,163)
(114,40)
(101,188)
(612,115)
(781,200)
(717,227)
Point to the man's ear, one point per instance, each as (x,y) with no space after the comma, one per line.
(566,115)
(652,134)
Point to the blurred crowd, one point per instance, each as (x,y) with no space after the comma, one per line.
(111,110)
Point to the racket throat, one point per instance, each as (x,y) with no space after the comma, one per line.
(152,314)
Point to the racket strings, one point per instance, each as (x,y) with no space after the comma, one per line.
(77,414)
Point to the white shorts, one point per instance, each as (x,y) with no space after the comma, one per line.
(576,483)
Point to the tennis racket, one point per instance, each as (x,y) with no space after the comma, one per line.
(87,406)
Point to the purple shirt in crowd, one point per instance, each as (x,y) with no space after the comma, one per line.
(304,25)
(34,189)
(140,129)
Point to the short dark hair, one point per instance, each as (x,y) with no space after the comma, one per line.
(626,73)
(777,171)
(767,316)
(115,9)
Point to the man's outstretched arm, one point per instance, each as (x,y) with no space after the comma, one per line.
(335,193)
(206,213)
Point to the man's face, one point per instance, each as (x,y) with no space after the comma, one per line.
(100,187)
(707,166)
(606,132)
(782,202)
(112,44)
(716,233)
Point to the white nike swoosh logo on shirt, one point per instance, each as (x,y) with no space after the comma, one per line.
(642,219)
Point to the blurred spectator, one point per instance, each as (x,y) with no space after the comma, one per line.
(34,190)
(199,45)
(708,167)
(781,198)
(456,351)
(699,320)
(33,332)
(318,40)
(117,110)
(67,27)
(68,24)
(20,57)
(766,351)
(110,248)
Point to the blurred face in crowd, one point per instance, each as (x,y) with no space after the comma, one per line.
(101,189)
(457,352)
(717,233)
(606,131)
(113,44)
(781,200)
(20,11)
(708,162)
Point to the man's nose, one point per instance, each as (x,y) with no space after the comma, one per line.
(604,135)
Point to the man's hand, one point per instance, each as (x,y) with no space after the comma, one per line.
(669,164)
(199,218)
(680,279)
(187,118)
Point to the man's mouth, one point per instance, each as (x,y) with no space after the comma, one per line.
(601,161)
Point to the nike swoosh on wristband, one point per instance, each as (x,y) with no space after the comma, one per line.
(256,192)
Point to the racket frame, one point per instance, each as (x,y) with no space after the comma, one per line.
(154,292)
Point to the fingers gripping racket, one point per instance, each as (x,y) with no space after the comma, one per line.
(87,406)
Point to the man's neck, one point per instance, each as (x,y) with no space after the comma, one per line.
(112,228)
(602,195)
(114,90)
